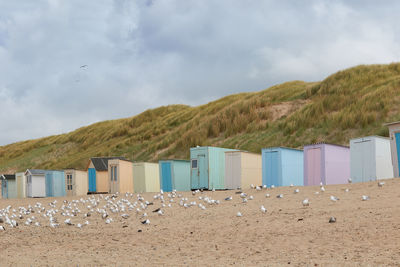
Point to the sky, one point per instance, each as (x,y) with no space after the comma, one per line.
(67,64)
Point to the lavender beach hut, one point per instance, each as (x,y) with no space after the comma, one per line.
(326,164)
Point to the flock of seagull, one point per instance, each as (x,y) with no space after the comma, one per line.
(78,213)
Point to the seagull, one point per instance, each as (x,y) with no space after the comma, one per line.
(54,225)
(380,184)
(365,198)
(68,221)
(244,200)
(263,209)
(258,188)
(228,198)
(333,198)
(332,220)
(125,216)
(346,190)
(108,220)
(272,186)
(296,190)
(2,228)
(157,210)
(160,212)
(267,195)
(265,186)
(322,189)
(251,197)
(147,221)
(291,185)
(350,181)
(306,202)
(279,196)
(238,214)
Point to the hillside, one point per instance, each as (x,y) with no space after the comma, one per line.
(347,104)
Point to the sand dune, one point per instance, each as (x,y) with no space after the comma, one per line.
(366,232)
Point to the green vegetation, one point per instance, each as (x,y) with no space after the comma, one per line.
(351,103)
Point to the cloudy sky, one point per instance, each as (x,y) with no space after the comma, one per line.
(143,54)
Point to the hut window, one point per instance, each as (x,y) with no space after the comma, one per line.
(69,182)
(113,173)
(194,163)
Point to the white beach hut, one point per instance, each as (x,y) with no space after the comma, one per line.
(370,159)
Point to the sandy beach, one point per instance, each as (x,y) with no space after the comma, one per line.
(366,232)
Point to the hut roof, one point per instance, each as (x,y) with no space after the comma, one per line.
(36,171)
(101,164)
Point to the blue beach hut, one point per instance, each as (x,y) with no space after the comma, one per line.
(174,174)
(282,166)
(55,183)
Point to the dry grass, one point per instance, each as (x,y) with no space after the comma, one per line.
(350,103)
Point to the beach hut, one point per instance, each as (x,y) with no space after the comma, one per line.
(174,174)
(394,135)
(35,183)
(146,177)
(97,169)
(242,169)
(282,166)
(208,167)
(120,176)
(370,159)
(55,183)
(9,187)
(21,184)
(326,164)
(76,182)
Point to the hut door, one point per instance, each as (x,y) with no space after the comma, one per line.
(92,179)
(29,186)
(4,191)
(166,176)
(202,170)
(69,184)
(397,135)
(272,160)
(314,166)
(114,186)
(368,163)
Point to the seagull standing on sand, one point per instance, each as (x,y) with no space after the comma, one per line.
(333,198)
(263,209)
(365,198)
(306,202)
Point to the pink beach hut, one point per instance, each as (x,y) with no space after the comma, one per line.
(326,164)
